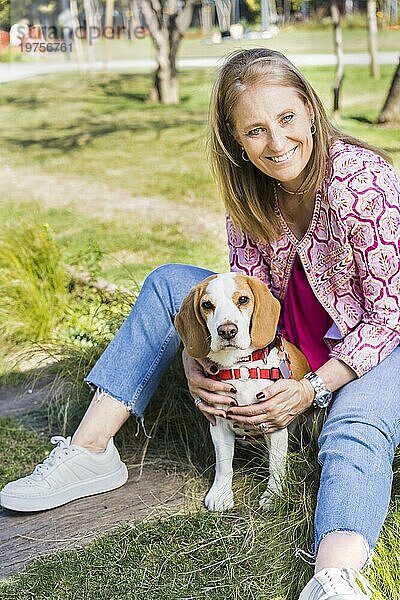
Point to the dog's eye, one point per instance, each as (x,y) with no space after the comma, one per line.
(207,305)
(244,300)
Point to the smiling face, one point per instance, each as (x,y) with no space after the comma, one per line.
(273,124)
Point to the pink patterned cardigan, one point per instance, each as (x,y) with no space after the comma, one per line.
(350,253)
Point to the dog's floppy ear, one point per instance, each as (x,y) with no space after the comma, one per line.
(191,326)
(264,321)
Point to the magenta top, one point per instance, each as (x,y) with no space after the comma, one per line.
(303,320)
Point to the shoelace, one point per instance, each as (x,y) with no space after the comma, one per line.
(349,579)
(63,445)
(352,576)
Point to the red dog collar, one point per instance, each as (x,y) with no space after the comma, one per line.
(273,374)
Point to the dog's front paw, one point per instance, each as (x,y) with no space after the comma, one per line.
(219,499)
(266,500)
(268,496)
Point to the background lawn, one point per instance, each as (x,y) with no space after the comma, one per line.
(88,152)
(123,186)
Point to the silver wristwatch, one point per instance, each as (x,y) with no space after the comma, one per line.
(323,396)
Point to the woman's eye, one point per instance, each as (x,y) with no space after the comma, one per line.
(287,118)
(207,305)
(254,132)
(243,300)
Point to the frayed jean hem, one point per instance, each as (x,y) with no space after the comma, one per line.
(139,417)
(311,557)
(94,386)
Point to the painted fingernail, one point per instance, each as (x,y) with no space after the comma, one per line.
(233,403)
(214,369)
(233,390)
(260,395)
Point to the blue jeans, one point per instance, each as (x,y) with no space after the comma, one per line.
(358,439)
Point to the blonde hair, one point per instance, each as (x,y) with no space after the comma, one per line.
(248,193)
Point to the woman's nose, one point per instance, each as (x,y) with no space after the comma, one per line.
(276,143)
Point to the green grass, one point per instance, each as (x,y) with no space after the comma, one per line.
(123,186)
(32,282)
(20,450)
(110,157)
(243,554)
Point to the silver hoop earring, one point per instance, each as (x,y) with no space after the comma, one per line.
(313,128)
(244,156)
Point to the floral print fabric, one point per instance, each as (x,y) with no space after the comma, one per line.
(350,253)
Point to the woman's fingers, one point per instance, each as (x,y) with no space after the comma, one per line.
(254,422)
(214,392)
(210,412)
(251,421)
(212,398)
(277,411)
(198,379)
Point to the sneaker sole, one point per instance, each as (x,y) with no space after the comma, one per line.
(99,485)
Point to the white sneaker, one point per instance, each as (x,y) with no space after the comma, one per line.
(68,473)
(337,584)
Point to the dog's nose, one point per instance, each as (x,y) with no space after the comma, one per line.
(227,331)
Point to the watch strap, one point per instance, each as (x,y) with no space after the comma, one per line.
(323,396)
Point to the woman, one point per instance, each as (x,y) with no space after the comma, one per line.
(315,214)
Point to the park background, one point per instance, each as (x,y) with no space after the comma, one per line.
(100,183)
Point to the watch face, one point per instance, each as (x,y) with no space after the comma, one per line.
(322,400)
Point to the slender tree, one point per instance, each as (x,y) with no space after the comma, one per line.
(373,38)
(73,4)
(391,109)
(109,20)
(338,45)
(167,21)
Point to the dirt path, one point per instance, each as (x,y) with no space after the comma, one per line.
(25,536)
(91,198)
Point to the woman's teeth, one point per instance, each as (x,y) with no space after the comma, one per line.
(283,157)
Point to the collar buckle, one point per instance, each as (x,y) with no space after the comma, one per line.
(244,373)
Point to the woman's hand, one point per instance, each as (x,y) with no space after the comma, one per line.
(277,405)
(210,391)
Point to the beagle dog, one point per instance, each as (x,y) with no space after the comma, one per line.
(232,319)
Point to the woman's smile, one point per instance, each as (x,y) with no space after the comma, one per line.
(275,133)
(283,157)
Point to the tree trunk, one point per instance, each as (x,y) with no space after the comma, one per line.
(224,14)
(286,11)
(165,84)
(391,109)
(338,44)
(90,32)
(348,8)
(109,21)
(73,6)
(167,22)
(206,19)
(373,38)
(385,13)
(273,12)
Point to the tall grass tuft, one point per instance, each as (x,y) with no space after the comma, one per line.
(33,283)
